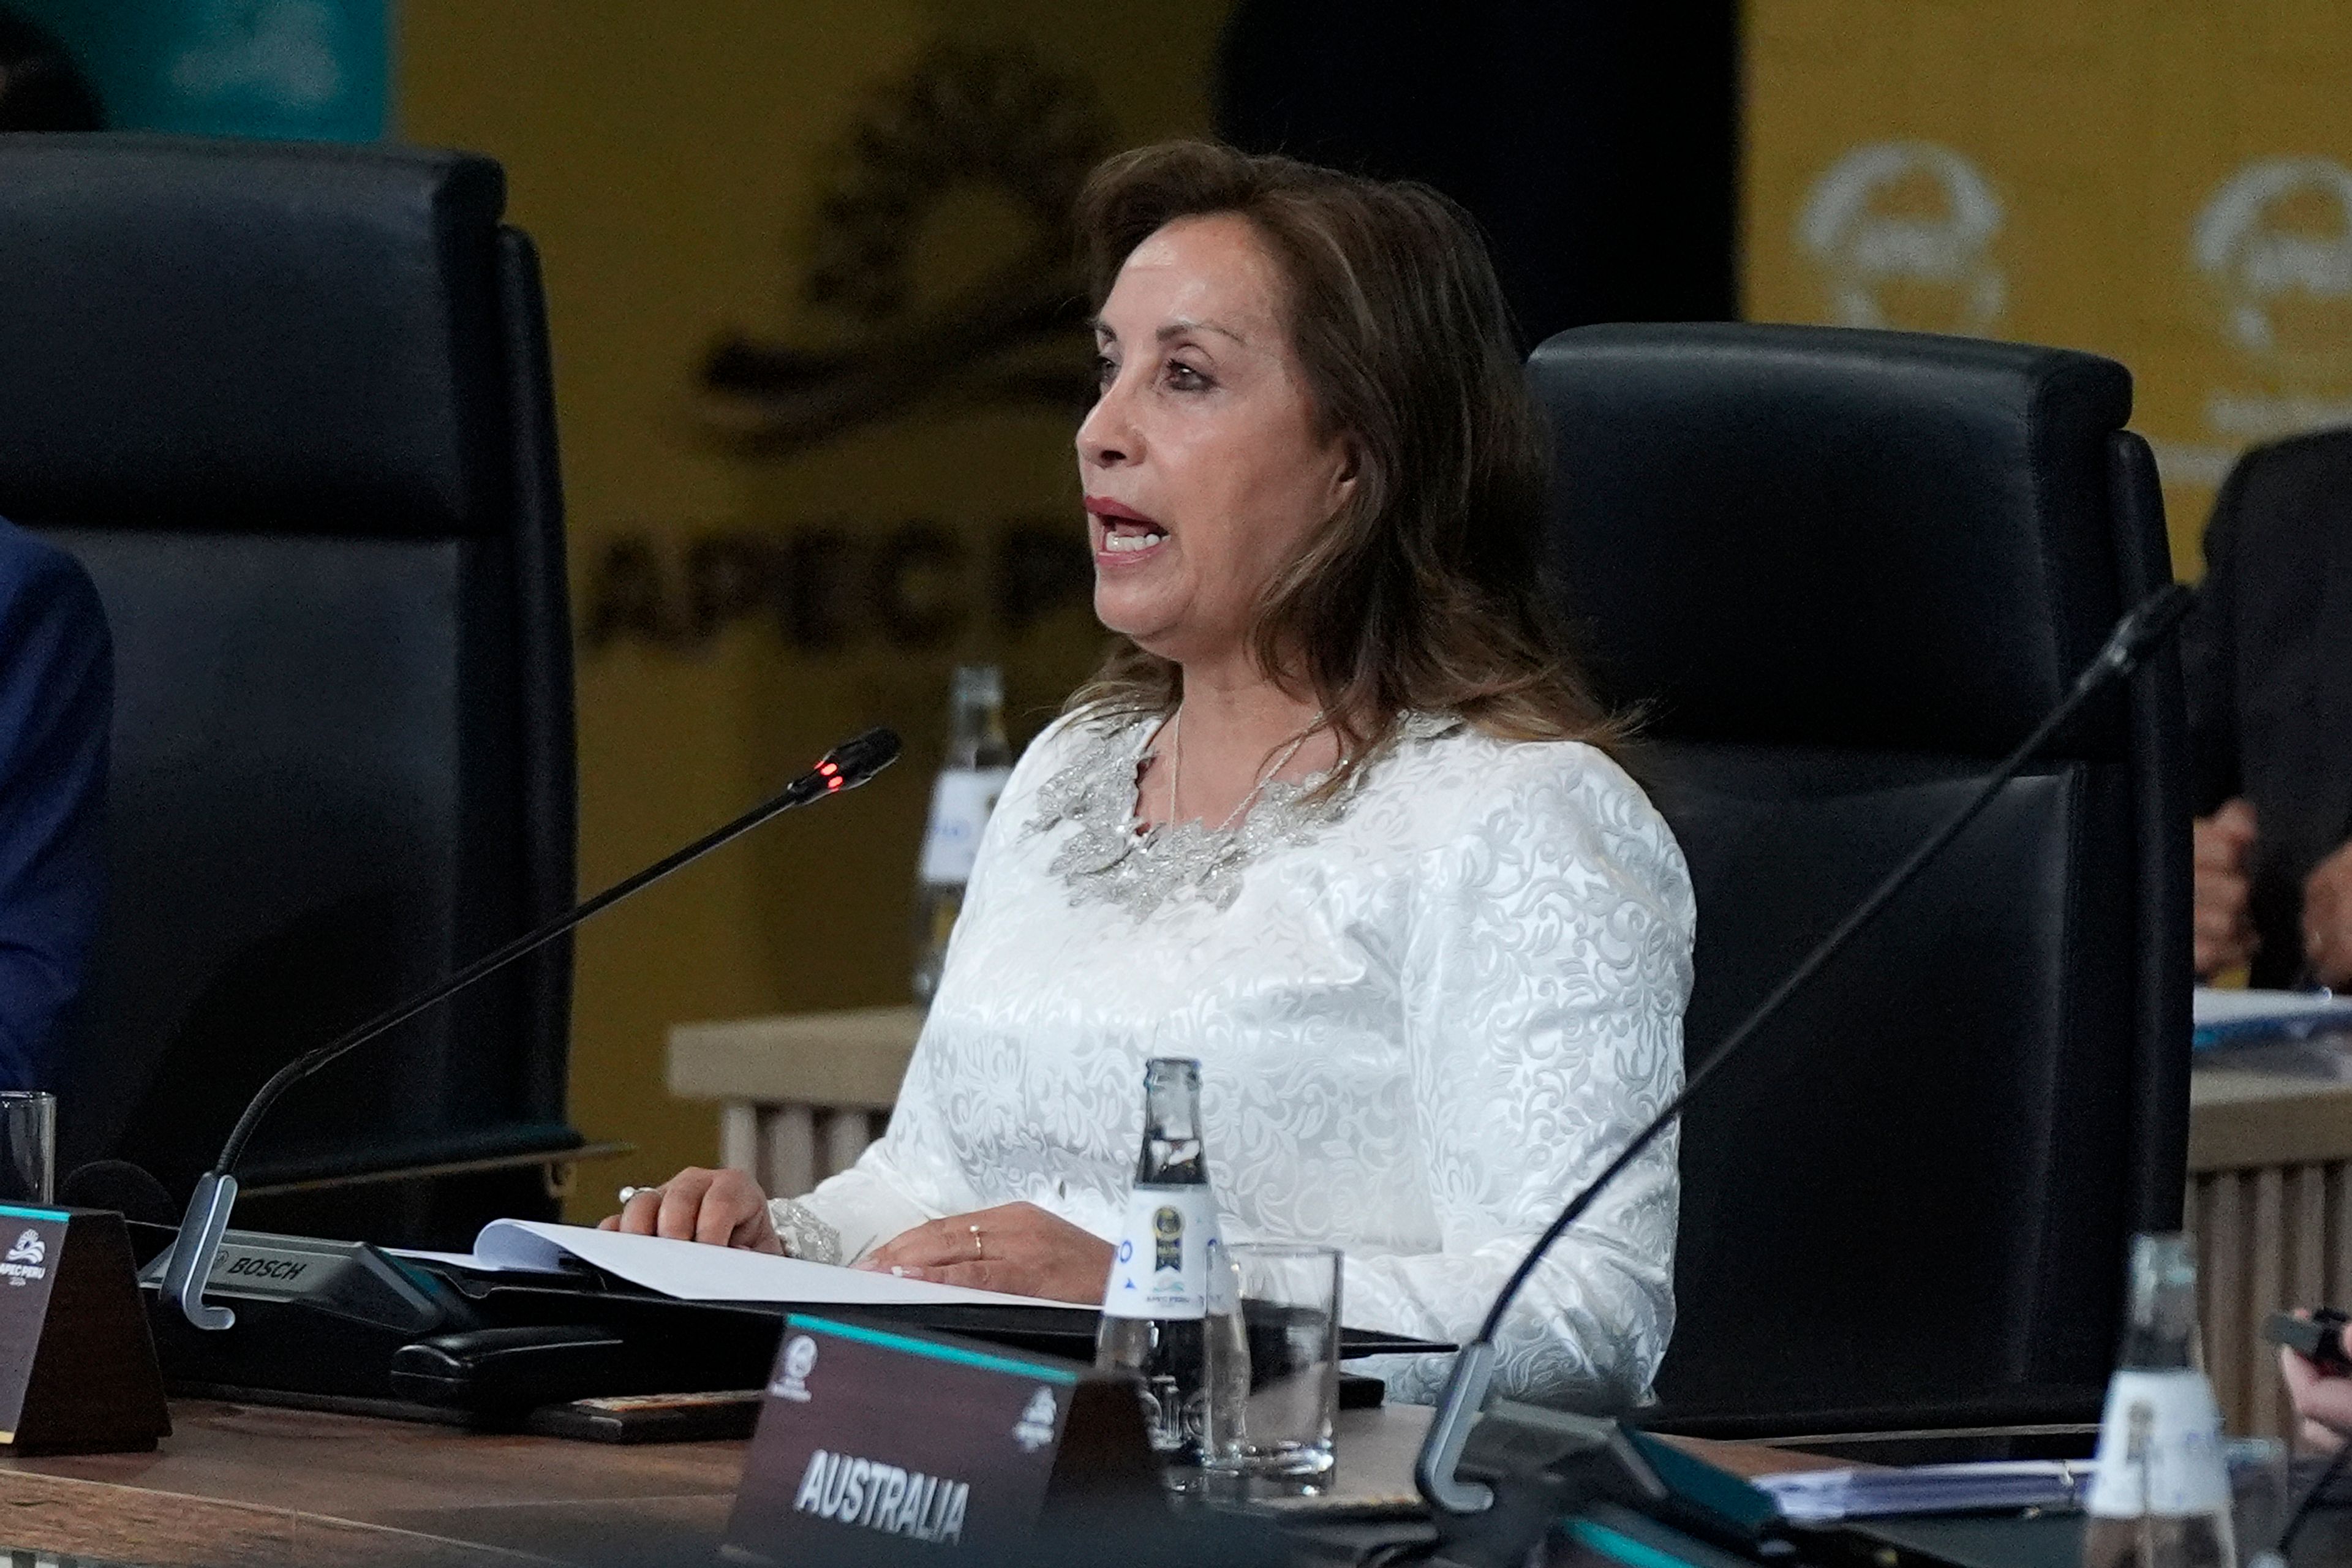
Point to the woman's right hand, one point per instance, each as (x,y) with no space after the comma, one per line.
(2223,927)
(725,1208)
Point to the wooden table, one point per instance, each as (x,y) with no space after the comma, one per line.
(288,1488)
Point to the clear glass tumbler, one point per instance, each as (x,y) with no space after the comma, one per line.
(28,1146)
(2260,1495)
(1290,1309)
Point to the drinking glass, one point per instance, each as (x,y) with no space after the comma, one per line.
(28,1146)
(2260,1495)
(1290,1309)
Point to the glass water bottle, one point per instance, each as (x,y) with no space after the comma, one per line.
(978,762)
(2160,1494)
(1172,1313)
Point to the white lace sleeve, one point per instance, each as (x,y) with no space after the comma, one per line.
(1544,979)
(851,1213)
(909,1175)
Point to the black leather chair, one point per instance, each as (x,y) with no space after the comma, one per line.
(1847,572)
(290,406)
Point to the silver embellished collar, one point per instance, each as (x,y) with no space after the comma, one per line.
(1112,858)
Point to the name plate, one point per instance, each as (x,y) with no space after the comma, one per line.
(77,1371)
(885,1446)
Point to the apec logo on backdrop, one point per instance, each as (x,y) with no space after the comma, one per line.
(822,589)
(2273,248)
(1902,234)
(907,339)
(280,53)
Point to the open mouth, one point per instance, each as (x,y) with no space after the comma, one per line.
(1125,530)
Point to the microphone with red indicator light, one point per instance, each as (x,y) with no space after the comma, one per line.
(846,766)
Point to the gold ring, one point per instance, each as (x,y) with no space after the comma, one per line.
(976,1251)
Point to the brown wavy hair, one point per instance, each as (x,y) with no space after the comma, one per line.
(1422,593)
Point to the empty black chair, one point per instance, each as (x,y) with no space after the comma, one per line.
(290,406)
(1847,572)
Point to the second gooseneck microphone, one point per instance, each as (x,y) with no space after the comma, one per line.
(844,767)
(2143,630)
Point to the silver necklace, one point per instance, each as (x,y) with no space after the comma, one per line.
(1111,857)
(1176,767)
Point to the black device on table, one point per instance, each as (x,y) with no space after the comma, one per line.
(2318,1339)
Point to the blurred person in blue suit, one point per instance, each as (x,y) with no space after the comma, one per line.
(56,703)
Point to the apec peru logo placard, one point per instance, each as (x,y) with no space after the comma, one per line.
(28,1270)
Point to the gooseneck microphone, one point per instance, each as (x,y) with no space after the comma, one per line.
(844,767)
(2138,634)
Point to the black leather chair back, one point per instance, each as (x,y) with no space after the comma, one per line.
(1846,572)
(290,406)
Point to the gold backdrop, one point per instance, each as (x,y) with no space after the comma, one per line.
(2165,182)
(816,426)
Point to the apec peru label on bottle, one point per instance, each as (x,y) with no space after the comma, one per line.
(1162,1267)
(960,802)
(2172,1466)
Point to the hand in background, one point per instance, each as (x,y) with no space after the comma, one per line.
(1021,1250)
(726,1208)
(2327,917)
(2324,1402)
(2224,928)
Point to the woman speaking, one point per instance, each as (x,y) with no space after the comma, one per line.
(1336,818)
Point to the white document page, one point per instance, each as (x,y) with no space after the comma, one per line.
(696,1271)
(1820,1496)
(2211,1007)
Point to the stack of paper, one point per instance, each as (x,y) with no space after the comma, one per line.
(2245,1018)
(1813,1496)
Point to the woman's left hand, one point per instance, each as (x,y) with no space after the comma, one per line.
(1017,1248)
(2325,1401)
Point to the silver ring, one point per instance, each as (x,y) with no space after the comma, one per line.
(628,1193)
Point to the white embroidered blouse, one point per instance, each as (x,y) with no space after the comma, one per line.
(1425,1013)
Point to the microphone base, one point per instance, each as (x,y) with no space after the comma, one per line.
(1549,1470)
(1508,1533)
(189,1268)
(339,1325)
(310,1316)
